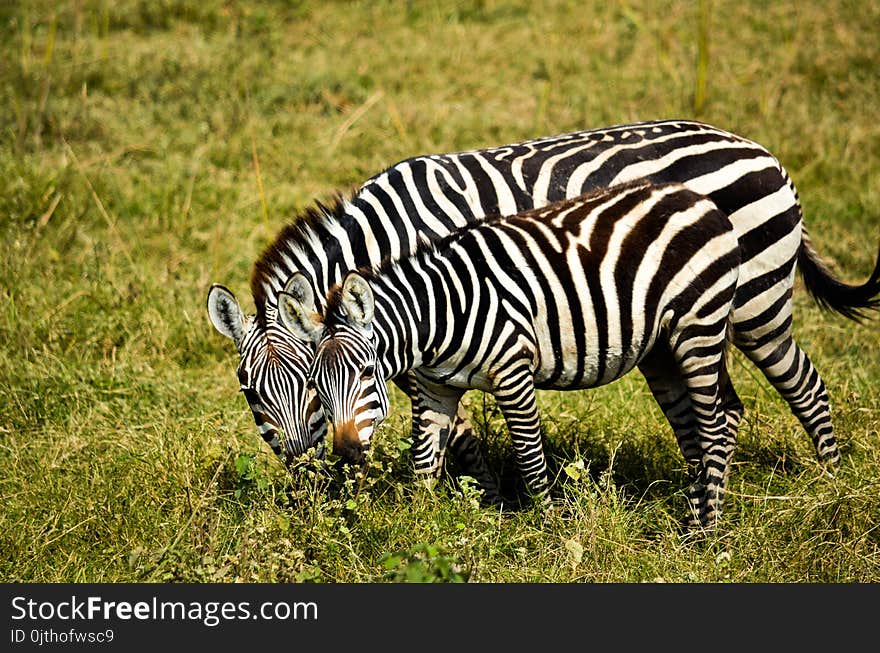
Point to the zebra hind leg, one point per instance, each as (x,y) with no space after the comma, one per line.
(700,359)
(673,396)
(731,408)
(788,369)
(671,393)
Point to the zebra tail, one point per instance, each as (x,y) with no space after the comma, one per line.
(830,293)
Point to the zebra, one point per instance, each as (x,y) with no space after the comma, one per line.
(570,296)
(271,378)
(427,197)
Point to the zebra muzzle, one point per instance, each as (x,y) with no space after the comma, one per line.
(347,444)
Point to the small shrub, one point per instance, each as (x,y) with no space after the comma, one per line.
(423,563)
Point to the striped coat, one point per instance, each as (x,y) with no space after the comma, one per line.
(570,296)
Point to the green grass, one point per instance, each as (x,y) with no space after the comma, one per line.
(130,138)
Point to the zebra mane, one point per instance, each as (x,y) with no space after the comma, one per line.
(272,268)
(312,228)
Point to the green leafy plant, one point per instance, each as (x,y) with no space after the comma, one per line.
(249,477)
(423,563)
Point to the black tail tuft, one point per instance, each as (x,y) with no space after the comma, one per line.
(831,293)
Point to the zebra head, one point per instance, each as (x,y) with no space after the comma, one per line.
(346,372)
(273,371)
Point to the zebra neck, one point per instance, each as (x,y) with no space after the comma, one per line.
(402,321)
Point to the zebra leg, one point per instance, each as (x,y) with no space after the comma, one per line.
(422,460)
(731,404)
(700,358)
(731,408)
(661,372)
(767,341)
(466,449)
(515,396)
(408,384)
(461,442)
(671,393)
(434,411)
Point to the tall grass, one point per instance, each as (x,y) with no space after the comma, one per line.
(150,149)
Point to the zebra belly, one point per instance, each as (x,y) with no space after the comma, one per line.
(568,369)
(573,369)
(587,332)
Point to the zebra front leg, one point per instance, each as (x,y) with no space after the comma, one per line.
(515,396)
(461,442)
(465,447)
(434,411)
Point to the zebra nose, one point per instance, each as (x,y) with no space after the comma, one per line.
(347,444)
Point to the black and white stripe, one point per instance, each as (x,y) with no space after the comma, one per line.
(427,197)
(570,296)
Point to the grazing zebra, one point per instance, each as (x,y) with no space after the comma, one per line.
(573,295)
(272,377)
(427,197)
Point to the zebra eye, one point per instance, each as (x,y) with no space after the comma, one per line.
(310,384)
(250,395)
(368,372)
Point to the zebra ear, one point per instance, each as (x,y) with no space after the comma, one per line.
(300,318)
(299,287)
(358,299)
(225,313)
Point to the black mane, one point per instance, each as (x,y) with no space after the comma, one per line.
(311,223)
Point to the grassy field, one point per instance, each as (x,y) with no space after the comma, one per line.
(149,149)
